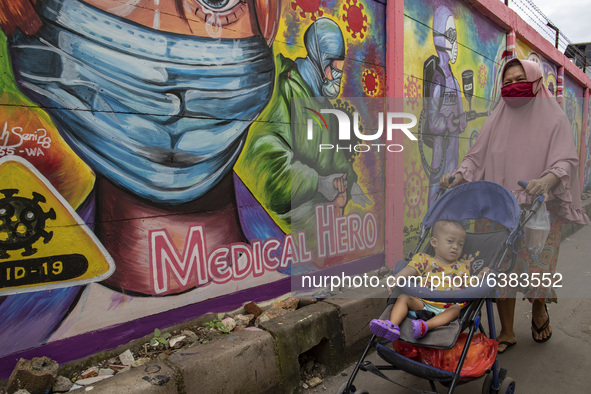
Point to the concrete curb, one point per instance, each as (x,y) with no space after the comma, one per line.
(238,363)
(152,378)
(266,360)
(261,360)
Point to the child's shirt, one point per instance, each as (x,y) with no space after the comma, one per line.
(428,267)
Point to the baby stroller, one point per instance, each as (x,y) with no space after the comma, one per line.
(473,200)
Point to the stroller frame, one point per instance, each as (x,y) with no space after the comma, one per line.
(495,380)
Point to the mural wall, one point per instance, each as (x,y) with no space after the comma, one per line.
(587,168)
(452,60)
(572,100)
(163,137)
(573,106)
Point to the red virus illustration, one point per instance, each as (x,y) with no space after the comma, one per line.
(482,75)
(414,193)
(371,84)
(412,90)
(309,7)
(355,18)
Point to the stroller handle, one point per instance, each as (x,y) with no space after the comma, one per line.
(441,191)
(524,184)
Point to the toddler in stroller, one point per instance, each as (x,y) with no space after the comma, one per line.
(452,273)
(485,251)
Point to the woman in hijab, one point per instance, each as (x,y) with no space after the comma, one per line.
(530,140)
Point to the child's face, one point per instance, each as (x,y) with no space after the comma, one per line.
(448,244)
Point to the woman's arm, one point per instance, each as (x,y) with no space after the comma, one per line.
(542,185)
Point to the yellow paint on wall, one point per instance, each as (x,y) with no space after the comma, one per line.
(44,244)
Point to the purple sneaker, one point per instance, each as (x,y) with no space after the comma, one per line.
(385,329)
(419,328)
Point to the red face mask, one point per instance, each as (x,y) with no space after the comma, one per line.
(518,93)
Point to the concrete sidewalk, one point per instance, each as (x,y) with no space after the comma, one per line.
(336,330)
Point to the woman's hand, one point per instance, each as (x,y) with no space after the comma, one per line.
(444,181)
(542,185)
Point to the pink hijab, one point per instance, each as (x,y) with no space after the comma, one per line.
(527,142)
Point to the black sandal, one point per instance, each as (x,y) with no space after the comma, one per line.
(507,346)
(539,330)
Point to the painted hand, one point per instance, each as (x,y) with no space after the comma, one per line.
(327,187)
(341,185)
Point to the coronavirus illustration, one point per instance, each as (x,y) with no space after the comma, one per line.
(355,18)
(311,7)
(414,195)
(370,83)
(412,91)
(22,222)
(482,76)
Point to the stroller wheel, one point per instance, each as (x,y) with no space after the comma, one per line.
(507,386)
(352,389)
(487,385)
(341,389)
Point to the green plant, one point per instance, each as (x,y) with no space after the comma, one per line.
(159,337)
(217,324)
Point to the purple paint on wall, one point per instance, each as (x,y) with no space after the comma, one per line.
(90,343)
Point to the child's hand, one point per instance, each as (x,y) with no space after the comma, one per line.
(391,288)
(485,271)
(391,284)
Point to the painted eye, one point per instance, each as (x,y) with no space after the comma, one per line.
(220,12)
(219,5)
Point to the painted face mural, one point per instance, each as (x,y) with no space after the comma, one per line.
(137,112)
(164,115)
(157,101)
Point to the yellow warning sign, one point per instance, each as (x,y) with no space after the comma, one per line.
(44,244)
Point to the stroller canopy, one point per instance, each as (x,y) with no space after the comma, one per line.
(472,200)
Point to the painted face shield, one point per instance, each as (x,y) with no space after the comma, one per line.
(445,34)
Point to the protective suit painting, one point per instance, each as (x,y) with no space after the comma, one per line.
(443,116)
(284,170)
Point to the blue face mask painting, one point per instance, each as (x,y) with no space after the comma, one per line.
(160,114)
